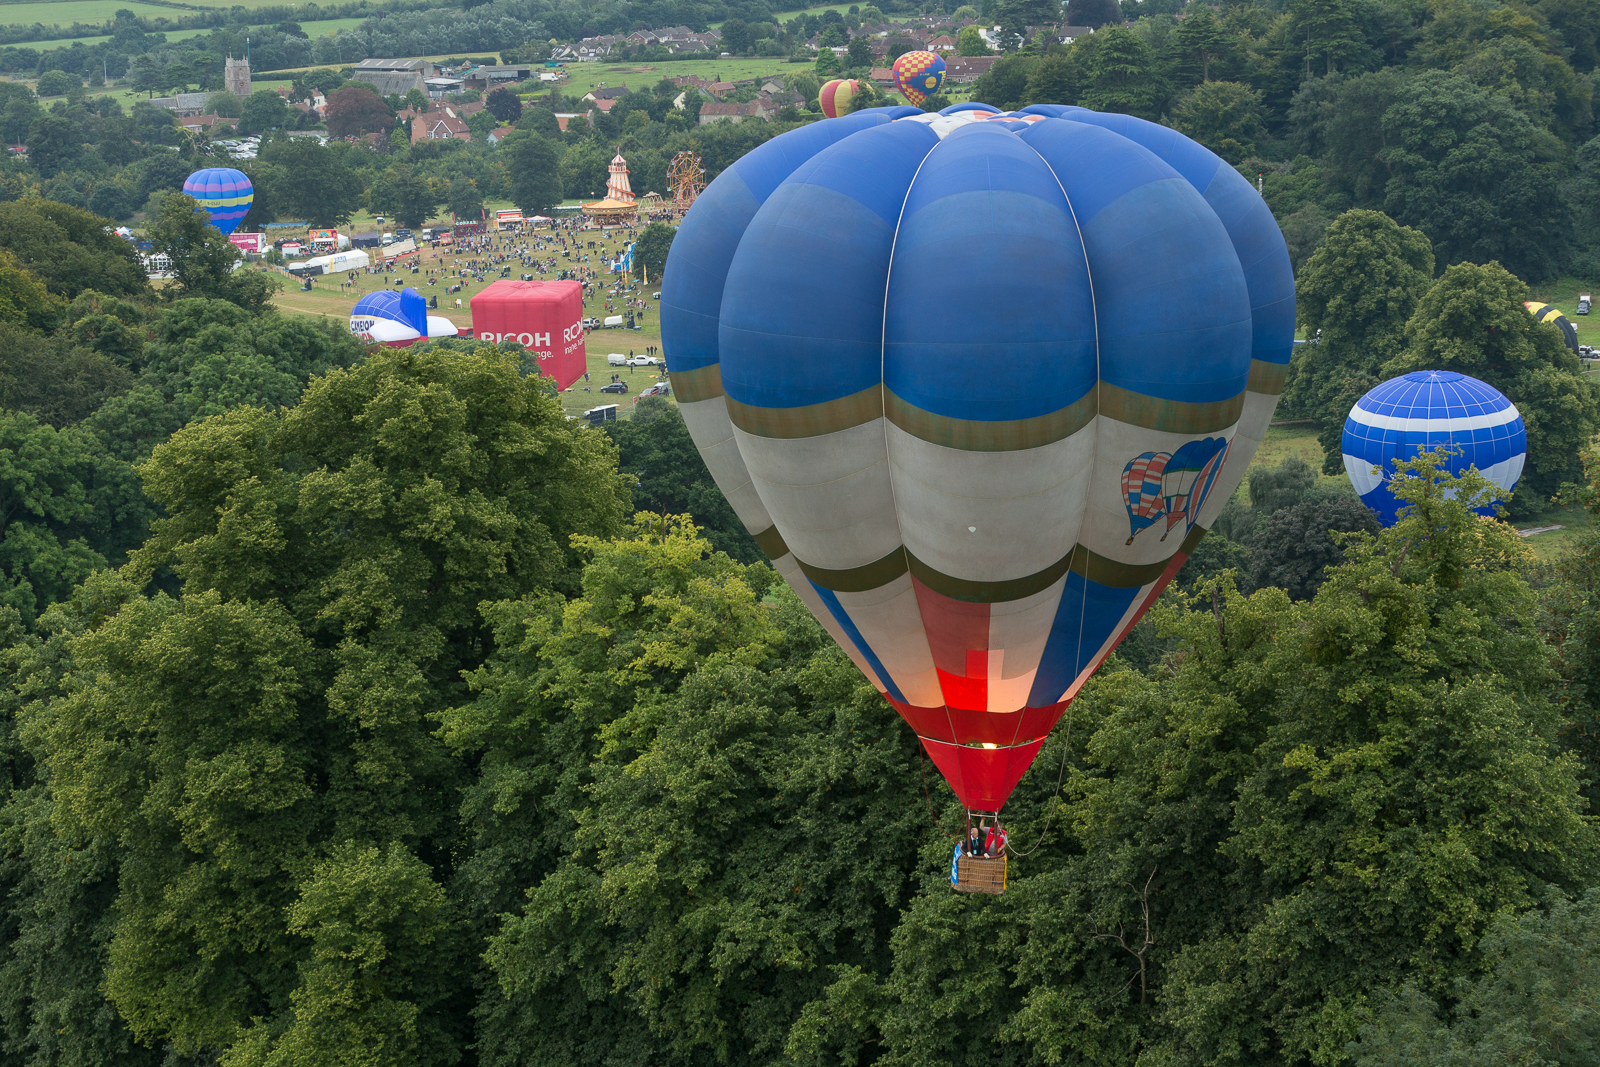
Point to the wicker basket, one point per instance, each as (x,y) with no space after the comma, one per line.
(980,874)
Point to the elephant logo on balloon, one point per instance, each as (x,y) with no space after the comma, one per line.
(1171,484)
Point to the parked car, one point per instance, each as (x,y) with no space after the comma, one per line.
(658,389)
(616,359)
(614,387)
(1583,303)
(613,321)
(642,361)
(591,324)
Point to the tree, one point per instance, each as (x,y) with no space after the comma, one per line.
(1304,232)
(481,123)
(1005,84)
(1294,548)
(402,191)
(859,53)
(44,551)
(202,261)
(58,83)
(318,186)
(1223,116)
(1540,977)
(355,110)
(263,110)
(1473,321)
(1093,13)
(24,301)
(54,143)
(535,172)
(1354,297)
(70,249)
(650,259)
(832,35)
(736,36)
(465,200)
(970,42)
(1329,31)
(656,448)
(1467,172)
(309,924)
(504,105)
(1200,41)
(1119,73)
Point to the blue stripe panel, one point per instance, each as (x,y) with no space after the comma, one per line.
(987,220)
(821,245)
(1170,299)
(691,287)
(1087,616)
(1249,222)
(830,598)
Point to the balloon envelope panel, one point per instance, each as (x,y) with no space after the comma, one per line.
(1421,411)
(836,97)
(224,193)
(1552,315)
(976,382)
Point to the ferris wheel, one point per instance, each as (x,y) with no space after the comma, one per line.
(687,177)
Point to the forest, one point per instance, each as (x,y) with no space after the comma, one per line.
(356,707)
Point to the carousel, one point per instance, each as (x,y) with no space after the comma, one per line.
(619,205)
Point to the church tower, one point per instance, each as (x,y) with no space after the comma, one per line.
(236,76)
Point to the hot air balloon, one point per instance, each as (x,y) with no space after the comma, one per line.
(1552,315)
(836,97)
(917,355)
(918,75)
(224,193)
(397,319)
(1420,411)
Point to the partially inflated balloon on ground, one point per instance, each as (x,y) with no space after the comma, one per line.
(1422,411)
(397,319)
(978,383)
(224,193)
(1552,315)
(837,96)
(918,75)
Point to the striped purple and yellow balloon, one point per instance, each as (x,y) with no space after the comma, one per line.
(978,383)
(225,194)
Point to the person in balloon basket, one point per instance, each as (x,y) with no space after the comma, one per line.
(974,841)
(995,843)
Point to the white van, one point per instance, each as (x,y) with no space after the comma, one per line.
(614,321)
(617,359)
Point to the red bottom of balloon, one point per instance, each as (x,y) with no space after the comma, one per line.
(984,754)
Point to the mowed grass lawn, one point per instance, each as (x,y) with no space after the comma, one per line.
(583,77)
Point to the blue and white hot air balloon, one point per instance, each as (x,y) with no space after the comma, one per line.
(397,319)
(916,353)
(224,194)
(1420,411)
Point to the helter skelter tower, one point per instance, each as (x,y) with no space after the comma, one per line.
(617,186)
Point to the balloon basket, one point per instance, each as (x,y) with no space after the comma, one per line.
(980,874)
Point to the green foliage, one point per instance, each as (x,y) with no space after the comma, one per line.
(203,262)
(1223,116)
(650,256)
(535,176)
(70,250)
(1295,546)
(1534,1004)
(1354,297)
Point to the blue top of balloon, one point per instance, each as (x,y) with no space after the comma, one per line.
(224,193)
(406,307)
(1420,411)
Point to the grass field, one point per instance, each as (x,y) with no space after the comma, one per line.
(582,77)
(66,12)
(1563,293)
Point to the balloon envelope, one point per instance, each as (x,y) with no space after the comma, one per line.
(977,383)
(224,193)
(1420,411)
(836,97)
(397,319)
(1552,315)
(918,75)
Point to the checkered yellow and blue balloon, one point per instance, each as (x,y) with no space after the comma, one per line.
(918,75)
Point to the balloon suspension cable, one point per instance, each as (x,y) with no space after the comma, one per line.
(1066,747)
(922,762)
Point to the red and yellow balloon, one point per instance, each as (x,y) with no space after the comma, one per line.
(838,97)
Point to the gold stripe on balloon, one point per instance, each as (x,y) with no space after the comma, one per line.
(1169,416)
(808,420)
(702,383)
(1267,378)
(972,435)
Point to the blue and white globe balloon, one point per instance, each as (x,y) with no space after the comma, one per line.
(1420,411)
